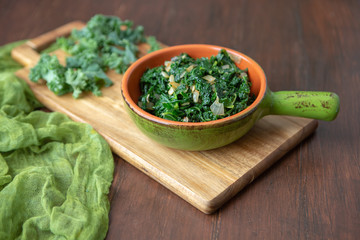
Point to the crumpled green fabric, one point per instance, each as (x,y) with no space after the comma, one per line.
(55,174)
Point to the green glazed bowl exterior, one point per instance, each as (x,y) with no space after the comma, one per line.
(196,138)
(218,133)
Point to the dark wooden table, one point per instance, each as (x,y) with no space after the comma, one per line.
(313,192)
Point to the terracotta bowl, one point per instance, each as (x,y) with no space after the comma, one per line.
(214,134)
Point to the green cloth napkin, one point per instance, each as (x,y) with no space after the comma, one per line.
(55,174)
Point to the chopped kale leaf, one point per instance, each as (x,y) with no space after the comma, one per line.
(105,43)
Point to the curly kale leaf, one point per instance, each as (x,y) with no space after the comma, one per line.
(62,80)
(154,45)
(49,69)
(106,42)
(112,40)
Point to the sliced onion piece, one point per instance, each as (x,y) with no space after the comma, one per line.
(225,66)
(236,59)
(165,75)
(191,67)
(196,96)
(167,65)
(174,84)
(182,74)
(171,78)
(243,74)
(217,108)
(171,91)
(185,104)
(209,78)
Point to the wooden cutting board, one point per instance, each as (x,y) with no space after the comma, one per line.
(205,179)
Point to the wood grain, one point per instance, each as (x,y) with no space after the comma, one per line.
(313,192)
(205,179)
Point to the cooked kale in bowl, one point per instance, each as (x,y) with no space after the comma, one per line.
(195,90)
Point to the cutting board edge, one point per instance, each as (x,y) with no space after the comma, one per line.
(261,167)
(159,176)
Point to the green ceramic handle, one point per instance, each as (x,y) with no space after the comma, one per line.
(308,104)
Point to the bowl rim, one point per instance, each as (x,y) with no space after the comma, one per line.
(224,121)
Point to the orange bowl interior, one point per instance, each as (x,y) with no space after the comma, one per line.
(131,80)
